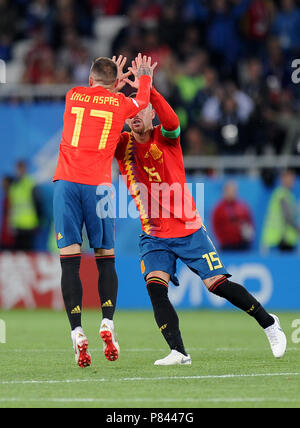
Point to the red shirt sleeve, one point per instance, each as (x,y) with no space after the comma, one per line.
(133,105)
(164,111)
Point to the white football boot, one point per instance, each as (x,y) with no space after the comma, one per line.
(80,346)
(111,347)
(174,358)
(276,338)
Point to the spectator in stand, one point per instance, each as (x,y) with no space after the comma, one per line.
(232,221)
(149,11)
(71,15)
(211,82)
(225,116)
(82,66)
(40,53)
(130,36)
(286,26)
(47,72)
(5,47)
(74,56)
(252,80)
(195,143)
(277,71)
(170,23)
(40,13)
(25,208)
(65,20)
(223,36)
(62,76)
(195,10)
(155,48)
(212,108)
(67,52)
(253,84)
(8,19)
(277,76)
(281,229)
(232,131)
(107,7)
(188,80)
(8,28)
(257,24)
(190,41)
(7,236)
(285,119)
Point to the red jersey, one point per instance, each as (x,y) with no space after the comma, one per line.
(155,176)
(93,121)
(230,218)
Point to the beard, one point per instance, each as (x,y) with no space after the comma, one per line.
(140,131)
(139,128)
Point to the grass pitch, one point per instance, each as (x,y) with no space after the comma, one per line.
(232,363)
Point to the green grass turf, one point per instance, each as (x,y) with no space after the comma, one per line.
(37,366)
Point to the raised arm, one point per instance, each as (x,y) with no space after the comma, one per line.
(170,126)
(145,75)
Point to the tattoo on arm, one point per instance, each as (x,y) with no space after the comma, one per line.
(144,71)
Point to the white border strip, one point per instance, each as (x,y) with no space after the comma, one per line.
(145,379)
(146,400)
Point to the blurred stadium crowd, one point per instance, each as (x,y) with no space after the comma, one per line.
(224,65)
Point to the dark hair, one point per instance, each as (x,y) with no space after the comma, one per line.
(104,71)
(287,171)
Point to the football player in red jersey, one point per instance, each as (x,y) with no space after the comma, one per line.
(151,160)
(93,119)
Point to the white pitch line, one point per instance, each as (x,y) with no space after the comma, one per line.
(151,379)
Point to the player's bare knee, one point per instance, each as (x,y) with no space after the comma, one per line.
(70,250)
(212,282)
(158,274)
(104,252)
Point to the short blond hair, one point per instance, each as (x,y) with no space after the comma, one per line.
(104,70)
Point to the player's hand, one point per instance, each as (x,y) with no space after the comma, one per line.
(144,67)
(120,62)
(140,66)
(133,70)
